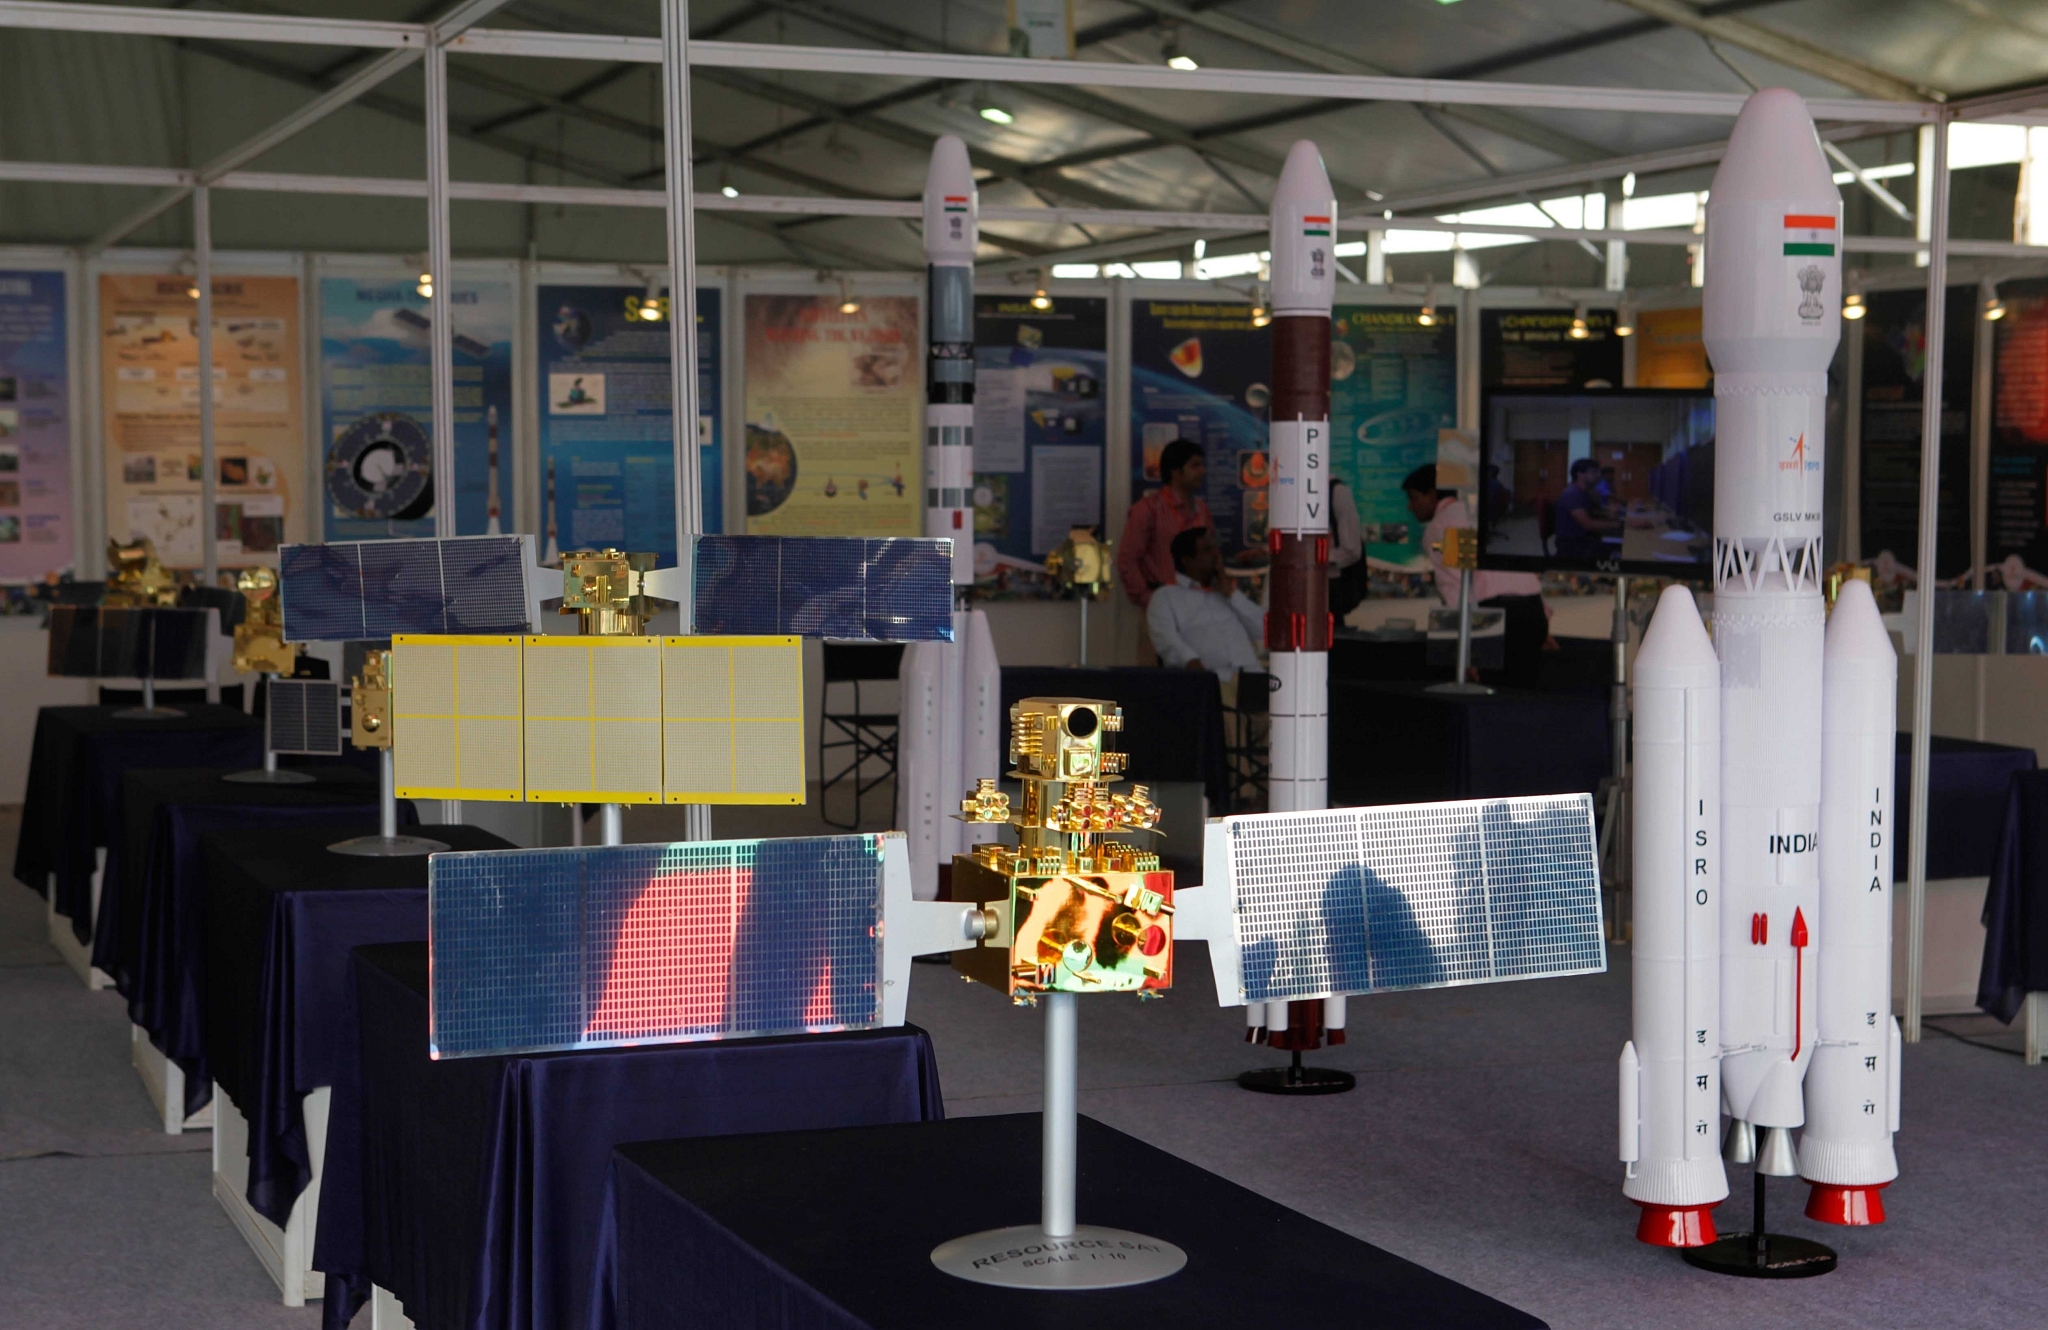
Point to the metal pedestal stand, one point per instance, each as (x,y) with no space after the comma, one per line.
(1458,685)
(1297,1079)
(387,843)
(149,710)
(1056,1253)
(1758,1254)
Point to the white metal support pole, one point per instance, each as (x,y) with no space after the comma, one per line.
(1984,347)
(1852,442)
(682,310)
(1936,213)
(441,305)
(1057,1169)
(202,281)
(611,822)
(387,796)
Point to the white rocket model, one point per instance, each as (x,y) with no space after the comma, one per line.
(1303,228)
(1670,1070)
(950,730)
(492,517)
(1792,990)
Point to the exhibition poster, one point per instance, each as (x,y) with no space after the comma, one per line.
(35,428)
(1040,430)
(1534,348)
(1894,363)
(1201,371)
(149,392)
(1670,350)
(835,405)
(376,407)
(1393,386)
(607,439)
(2018,516)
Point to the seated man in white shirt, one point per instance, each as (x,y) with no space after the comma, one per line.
(1194,625)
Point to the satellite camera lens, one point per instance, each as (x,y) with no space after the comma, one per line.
(1081,722)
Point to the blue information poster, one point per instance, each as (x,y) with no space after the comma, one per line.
(35,428)
(1040,430)
(606,438)
(1200,371)
(376,408)
(1393,385)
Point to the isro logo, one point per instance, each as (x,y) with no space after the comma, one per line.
(1799,461)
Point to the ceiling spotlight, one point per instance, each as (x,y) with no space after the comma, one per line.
(192,291)
(1428,316)
(1261,316)
(426,286)
(1176,58)
(847,303)
(1625,321)
(1994,309)
(725,185)
(1853,307)
(988,108)
(1039,299)
(1579,331)
(650,304)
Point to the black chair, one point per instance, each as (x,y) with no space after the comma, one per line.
(870,734)
(1247,745)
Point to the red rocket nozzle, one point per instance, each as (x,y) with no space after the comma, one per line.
(1852,1207)
(1676,1225)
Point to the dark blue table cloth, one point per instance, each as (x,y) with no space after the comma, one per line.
(833,1230)
(2016,903)
(1173,719)
(1966,799)
(1399,743)
(74,782)
(473,1188)
(161,961)
(282,914)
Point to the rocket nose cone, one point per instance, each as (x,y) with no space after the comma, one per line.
(1773,153)
(1675,637)
(1303,177)
(950,171)
(1856,629)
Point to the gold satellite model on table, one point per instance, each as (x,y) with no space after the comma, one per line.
(1086,566)
(260,648)
(136,579)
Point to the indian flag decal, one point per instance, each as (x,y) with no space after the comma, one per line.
(958,203)
(1809,233)
(1312,225)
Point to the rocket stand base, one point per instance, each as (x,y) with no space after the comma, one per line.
(1297,1079)
(387,847)
(1783,1257)
(1089,1257)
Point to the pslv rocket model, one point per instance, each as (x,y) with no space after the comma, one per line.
(1763,778)
(1303,227)
(491,524)
(951,727)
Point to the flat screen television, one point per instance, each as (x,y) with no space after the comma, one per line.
(1603,481)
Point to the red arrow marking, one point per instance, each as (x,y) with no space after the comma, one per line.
(1798,975)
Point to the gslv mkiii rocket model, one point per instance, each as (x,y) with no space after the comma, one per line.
(1763,778)
(1303,230)
(950,730)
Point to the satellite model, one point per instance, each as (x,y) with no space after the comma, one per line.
(950,725)
(1085,565)
(260,648)
(138,630)
(1763,786)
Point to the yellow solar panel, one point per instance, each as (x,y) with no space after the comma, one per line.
(593,720)
(455,708)
(733,720)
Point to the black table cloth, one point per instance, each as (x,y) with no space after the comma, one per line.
(74,780)
(1966,804)
(2016,903)
(282,914)
(1399,743)
(157,939)
(833,1230)
(1173,719)
(473,1188)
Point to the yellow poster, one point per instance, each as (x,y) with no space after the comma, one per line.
(835,408)
(149,393)
(1669,350)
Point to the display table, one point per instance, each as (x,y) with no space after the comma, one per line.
(1966,803)
(833,1230)
(74,783)
(152,903)
(1400,743)
(1173,719)
(281,915)
(2014,973)
(472,1188)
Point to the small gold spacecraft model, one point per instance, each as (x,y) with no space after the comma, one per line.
(604,589)
(1066,910)
(259,638)
(369,696)
(135,578)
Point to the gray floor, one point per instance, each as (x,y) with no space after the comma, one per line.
(1479,1143)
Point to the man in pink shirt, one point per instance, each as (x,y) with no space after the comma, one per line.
(1144,556)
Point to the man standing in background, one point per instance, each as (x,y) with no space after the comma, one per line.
(1144,555)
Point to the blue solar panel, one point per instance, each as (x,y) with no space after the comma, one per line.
(850,587)
(1367,900)
(364,591)
(647,944)
(127,642)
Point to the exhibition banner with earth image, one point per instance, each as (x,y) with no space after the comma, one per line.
(607,433)
(835,407)
(1393,388)
(376,407)
(35,428)
(149,392)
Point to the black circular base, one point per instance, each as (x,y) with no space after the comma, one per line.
(1297,1080)
(1783,1257)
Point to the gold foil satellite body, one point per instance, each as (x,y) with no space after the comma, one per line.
(135,578)
(259,638)
(1083,562)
